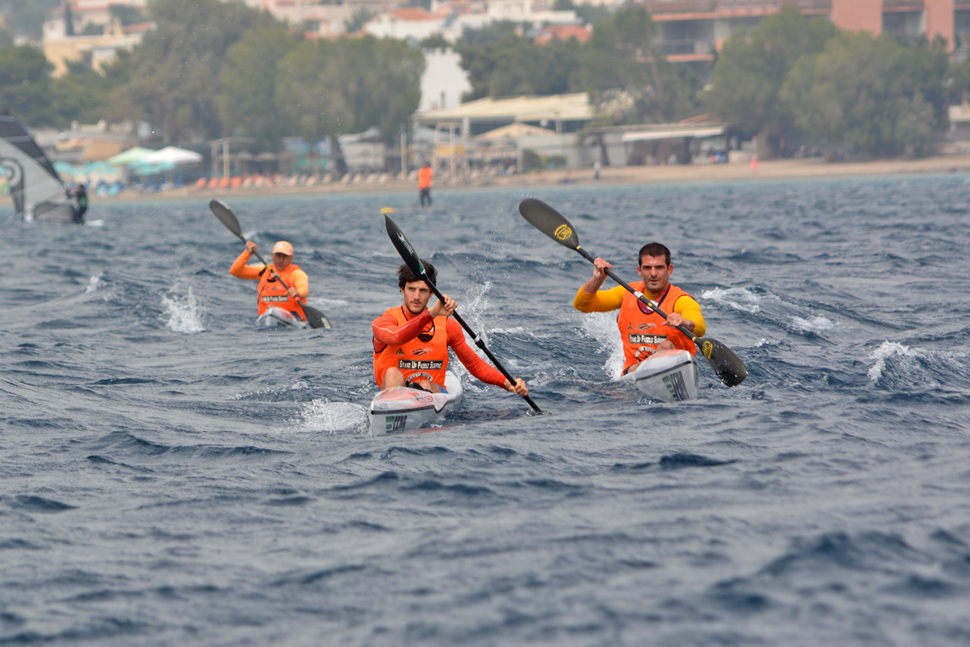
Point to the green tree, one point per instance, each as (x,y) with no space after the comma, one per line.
(627,75)
(127,15)
(753,66)
(247,100)
(357,21)
(27,16)
(79,95)
(515,65)
(873,95)
(175,73)
(329,88)
(25,84)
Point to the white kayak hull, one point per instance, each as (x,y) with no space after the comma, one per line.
(274,317)
(668,376)
(402,409)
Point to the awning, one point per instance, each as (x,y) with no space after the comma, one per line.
(650,135)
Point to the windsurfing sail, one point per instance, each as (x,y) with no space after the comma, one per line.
(37,190)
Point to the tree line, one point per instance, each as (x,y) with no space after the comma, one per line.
(213,69)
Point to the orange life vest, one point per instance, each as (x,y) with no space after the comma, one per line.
(271,293)
(427,358)
(642,329)
(424,178)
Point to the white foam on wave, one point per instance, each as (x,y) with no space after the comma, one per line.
(737,298)
(332,417)
(183,313)
(94,283)
(816,325)
(602,327)
(885,351)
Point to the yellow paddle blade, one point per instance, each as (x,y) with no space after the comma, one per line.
(387,210)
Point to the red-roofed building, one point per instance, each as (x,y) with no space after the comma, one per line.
(564,33)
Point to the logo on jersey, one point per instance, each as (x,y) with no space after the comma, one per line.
(418,365)
(647,339)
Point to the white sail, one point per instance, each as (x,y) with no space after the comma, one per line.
(37,190)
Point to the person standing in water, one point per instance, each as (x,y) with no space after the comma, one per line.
(424,184)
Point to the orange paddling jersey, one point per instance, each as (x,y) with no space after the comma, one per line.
(269,291)
(641,329)
(418,347)
(424,177)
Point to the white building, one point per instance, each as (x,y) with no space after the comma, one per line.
(443,81)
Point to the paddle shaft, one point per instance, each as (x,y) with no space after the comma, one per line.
(478,341)
(639,295)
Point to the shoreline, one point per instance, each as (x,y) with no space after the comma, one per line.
(610,176)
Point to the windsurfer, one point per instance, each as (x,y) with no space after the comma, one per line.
(81,196)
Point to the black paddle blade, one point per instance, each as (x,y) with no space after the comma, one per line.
(315,318)
(226,216)
(725,363)
(550,222)
(403,246)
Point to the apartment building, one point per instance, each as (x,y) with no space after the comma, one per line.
(693,30)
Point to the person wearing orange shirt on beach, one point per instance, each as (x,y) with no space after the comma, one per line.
(424,184)
(411,341)
(643,331)
(269,291)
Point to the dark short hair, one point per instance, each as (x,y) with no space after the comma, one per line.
(405,275)
(653,249)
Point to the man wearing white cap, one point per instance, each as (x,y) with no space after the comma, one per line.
(269,290)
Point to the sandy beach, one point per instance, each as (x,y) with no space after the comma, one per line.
(766,170)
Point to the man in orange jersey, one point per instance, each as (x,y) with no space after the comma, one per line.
(270,292)
(411,341)
(643,331)
(424,184)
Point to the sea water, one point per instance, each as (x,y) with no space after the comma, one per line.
(173,475)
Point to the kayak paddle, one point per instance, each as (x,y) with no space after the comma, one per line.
(314,317)
(726,364)
(413,261)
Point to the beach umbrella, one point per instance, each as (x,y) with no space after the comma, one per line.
(172,155)
(133,154)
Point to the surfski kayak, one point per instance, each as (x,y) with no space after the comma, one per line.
(402,409)
(669,376)
(279,317)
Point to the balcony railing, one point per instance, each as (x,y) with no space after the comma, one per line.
(913,5)
(686,46)
(711,6)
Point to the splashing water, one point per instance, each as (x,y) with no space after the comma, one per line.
(332,417)
(816,325)
(94,283)
(602,327)
(183,314)
(737,298)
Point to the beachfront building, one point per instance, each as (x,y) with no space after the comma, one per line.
(88,31)
(692,31)
(488,132)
